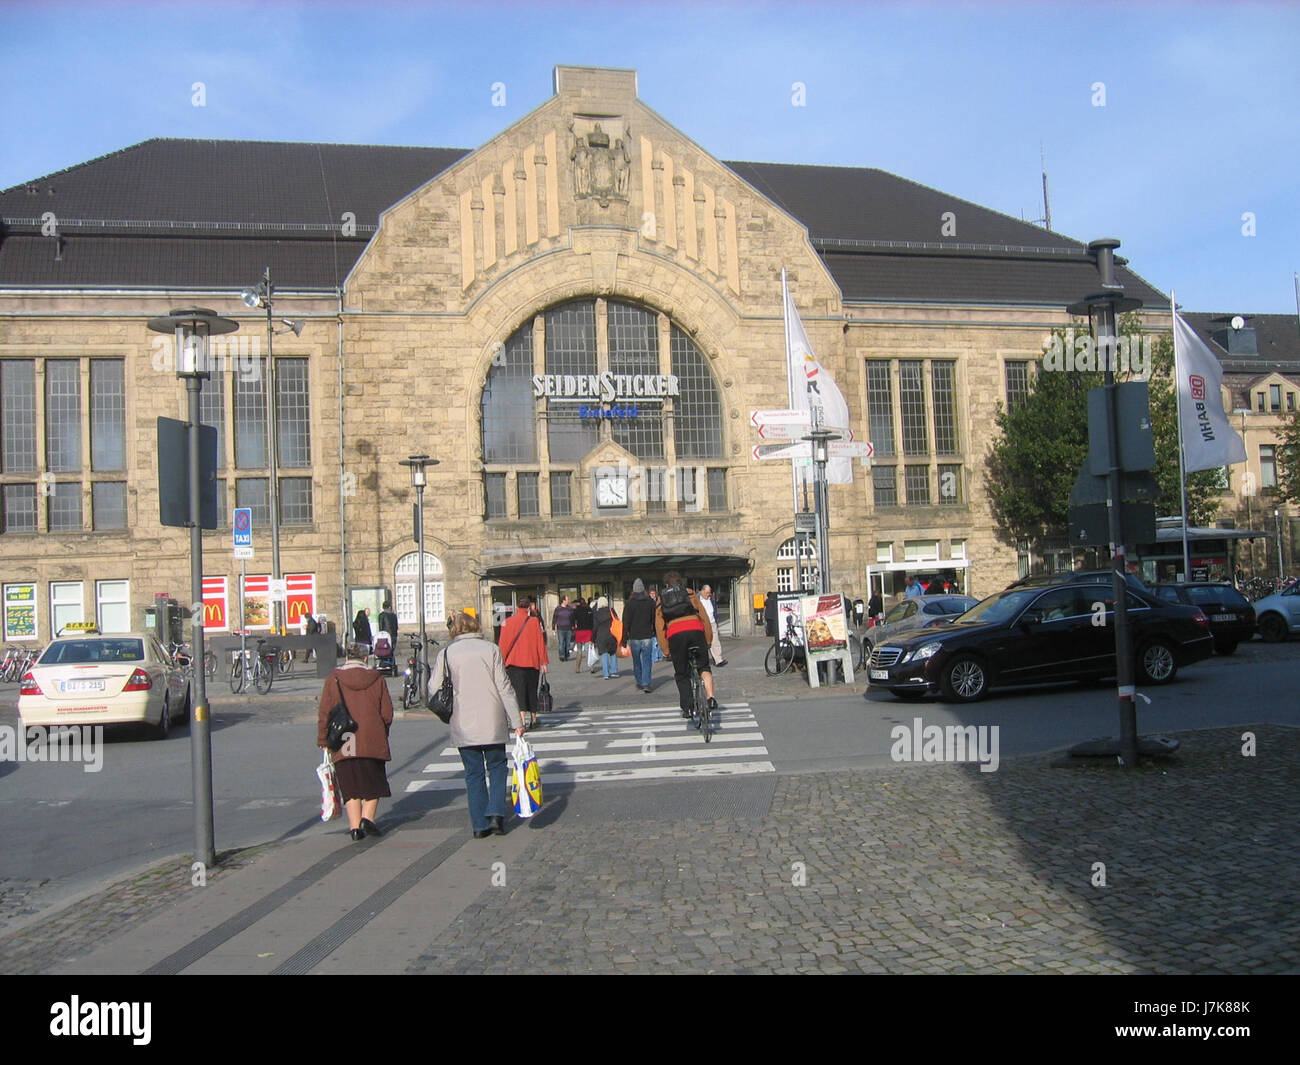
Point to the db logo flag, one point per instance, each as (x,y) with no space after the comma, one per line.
(1207,439)
(1197,385)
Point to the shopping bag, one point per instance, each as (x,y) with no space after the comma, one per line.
(525,779)
(331,806)
(593,659)
(545,700)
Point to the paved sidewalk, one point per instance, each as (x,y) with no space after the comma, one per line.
(906,869)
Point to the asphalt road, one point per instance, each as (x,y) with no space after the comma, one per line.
(67,831)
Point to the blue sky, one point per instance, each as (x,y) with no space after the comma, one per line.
(1198,126)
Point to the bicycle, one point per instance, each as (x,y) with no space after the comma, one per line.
(259,667)
(701,715)
(785,653)
(285,661)
(181,653)
(417,674)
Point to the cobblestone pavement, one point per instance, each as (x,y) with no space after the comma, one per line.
(905,869)
(936,869)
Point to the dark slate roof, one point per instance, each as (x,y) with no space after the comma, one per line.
(211,214)
(1276,347)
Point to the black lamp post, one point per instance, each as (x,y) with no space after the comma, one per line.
(192,327)
(416,464)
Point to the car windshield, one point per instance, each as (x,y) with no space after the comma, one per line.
(1215,593)
(71,652)
(998,608)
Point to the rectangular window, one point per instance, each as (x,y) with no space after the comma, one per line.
(250,419)
(690,490)
(221,502)
(509,410)
(212,411)
(1290,401)
(950,493)
(252,492)
(920,550)
(529,504)
(65,506)
(570,349)
(494,491)
(717,489)
(295,501)
(1017,383)
(885,551)
(292,413)
(1267,466)
(20,508)
(113,605)
(561,494)
(107,414)
(911,397)
(108,505)
(958,549)
(1274,397)
(63,415)
(885,485)
(66,604)
(942,384)
(917,484)
(880,407)
(656,499)
(17,416)
(1259,402)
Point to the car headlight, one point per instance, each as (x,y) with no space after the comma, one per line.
(923,652)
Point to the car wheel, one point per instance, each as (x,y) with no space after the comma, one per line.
(908,695)
(866,654)
(188,705)
(1157,663)
(1227,647)
(164,726)
(965,679)
(1272,628)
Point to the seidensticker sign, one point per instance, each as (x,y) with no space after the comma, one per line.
(606,387)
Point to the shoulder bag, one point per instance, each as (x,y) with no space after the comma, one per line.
(442,702)
(340,722)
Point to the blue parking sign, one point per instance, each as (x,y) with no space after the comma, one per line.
(243,527)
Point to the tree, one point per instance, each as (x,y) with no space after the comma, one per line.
(1288,458)
(1032,466)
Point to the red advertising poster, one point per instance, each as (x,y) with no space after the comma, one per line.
(214,605)
(824,624)
(299,597)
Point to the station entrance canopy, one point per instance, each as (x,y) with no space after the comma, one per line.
(653,566)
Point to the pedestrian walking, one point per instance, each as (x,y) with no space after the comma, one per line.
(710,608)
(875,609)
(603,635)
(523,650)
(359,763)
(582,631)
(639,633)
(361,629)
(656,654)
(484,711)
(562,623)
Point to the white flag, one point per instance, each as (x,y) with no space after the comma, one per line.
(811,386)
(1207,439)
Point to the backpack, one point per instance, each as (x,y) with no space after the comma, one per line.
(675,603)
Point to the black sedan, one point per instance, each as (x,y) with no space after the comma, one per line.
(1232,618)
(1035,635)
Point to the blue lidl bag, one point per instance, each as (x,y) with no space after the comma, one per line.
(525,779)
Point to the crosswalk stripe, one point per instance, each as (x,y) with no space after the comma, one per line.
(639,773)
(711,752)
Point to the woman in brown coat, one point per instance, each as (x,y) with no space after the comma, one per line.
(359,763)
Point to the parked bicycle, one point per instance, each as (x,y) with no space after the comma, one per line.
(416,676)
(256,667)
(787,652)
(18,660)
(185,658)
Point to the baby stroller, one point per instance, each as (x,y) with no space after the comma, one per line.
(385,661)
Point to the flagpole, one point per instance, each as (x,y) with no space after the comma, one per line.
(794,469)
(1178,400)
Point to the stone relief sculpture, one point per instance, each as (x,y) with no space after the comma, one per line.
(600,169)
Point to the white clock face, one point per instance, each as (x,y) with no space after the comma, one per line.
(611,492)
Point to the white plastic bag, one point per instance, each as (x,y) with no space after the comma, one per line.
(331,806)
(593,659)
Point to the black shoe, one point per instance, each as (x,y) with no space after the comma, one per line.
(722,663)
(685,712)
(498,825)
(370,828)
(482,833)
(713,704)
(358,834)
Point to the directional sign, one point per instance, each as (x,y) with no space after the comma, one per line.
(761,418)
(779,431)
(799,449)
(850,449)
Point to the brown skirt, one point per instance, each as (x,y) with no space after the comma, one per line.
(362,778)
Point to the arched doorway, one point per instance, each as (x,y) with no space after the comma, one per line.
(406,574)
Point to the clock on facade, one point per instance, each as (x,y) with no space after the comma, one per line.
(611,490)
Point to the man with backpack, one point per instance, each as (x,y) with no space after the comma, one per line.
(680,624)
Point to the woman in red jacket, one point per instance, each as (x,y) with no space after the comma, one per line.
(359,763)
(523,649)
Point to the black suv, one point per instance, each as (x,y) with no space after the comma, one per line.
(1035,634)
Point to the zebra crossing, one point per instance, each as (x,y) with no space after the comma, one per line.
(632,743)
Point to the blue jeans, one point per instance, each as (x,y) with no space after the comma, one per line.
(643,660)
(609,665)
(485,783)
(566,642)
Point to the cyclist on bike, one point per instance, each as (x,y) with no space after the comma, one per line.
(680,624)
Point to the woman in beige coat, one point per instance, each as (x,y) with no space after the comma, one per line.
(484,709)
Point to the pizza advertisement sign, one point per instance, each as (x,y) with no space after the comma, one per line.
(825,627)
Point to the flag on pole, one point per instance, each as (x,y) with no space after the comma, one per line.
(812,387)
(1208,441)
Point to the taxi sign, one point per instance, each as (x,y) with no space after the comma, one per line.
(79,626)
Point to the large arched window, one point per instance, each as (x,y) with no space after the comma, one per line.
(589,371)
(406,575)
(785,574)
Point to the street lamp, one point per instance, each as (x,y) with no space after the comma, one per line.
(1277,521)
(1102,309)
(820,439)
(416,464)
(192,327)
(263,295)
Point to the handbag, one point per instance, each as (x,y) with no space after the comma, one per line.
(331,805)
(525,780)
(442,702)
(545,700)
(616,630)
(340,722)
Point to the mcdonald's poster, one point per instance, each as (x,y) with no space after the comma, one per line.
(299,597)
(20,611)
(215,618)
(257,601)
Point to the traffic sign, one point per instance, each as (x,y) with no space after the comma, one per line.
(243,552)
(766,418)
(798,449)
(243,527)
(850,449)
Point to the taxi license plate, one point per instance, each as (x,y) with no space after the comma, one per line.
(1224,617)
(83,686)
(880,674)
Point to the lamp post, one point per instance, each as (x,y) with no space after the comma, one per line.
(192,327)
(1277,522)
(1102,309)
(416,464)
(263,295)
(820,455)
